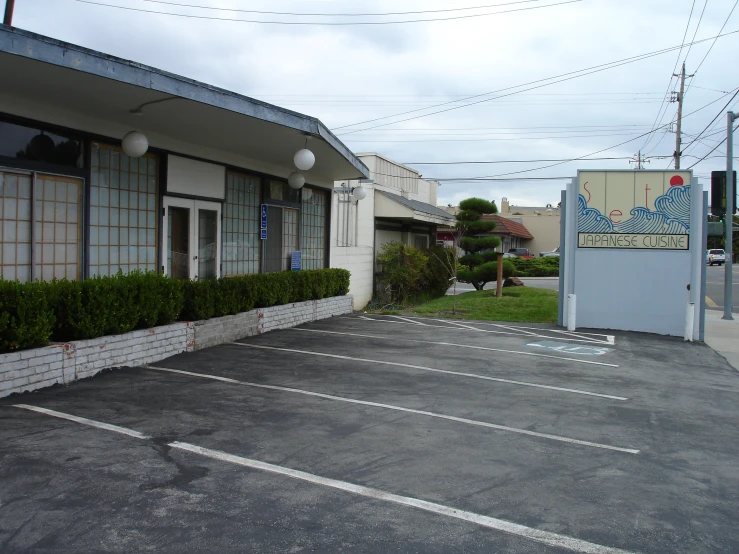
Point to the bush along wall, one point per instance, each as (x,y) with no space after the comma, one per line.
(32,314)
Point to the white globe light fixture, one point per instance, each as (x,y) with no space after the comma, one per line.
(296,180)
(135,144)
(304,159)
(359,193)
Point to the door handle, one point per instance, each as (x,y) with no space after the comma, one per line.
(194,257)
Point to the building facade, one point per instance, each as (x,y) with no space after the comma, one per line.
(209,197)
(398,205)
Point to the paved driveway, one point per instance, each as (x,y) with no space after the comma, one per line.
(384,434)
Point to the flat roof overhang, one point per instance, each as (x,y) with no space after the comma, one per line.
(94,85)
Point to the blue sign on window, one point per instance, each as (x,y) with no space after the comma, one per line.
(264,219)
(297,261)
(264,234)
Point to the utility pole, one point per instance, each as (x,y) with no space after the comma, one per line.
(639,161)
(728,249)
(9,6)
(679,136)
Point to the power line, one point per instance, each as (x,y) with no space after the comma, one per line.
(604,149)
(508,139)
(338,14)
(721,111)
(714,42)
(712,151)
(513,161)
(342,23)
(582,72)
(658,119)
(696,30)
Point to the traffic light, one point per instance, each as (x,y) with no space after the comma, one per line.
(718,193)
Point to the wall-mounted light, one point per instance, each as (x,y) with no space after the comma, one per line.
(135,144)
(359,193)
(354,193)
(296,180)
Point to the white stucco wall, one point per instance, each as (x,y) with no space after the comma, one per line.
(357,253)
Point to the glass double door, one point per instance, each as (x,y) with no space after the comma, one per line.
(192,239)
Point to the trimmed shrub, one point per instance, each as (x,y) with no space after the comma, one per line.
(26,320)
(536,267)
(31,314)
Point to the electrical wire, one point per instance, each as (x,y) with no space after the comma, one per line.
(696,30)
(712,44)
(341,23)
(581,72)
(338,14)
(605,149)
(721,111)
(712,150)
(514,161)
(508,139)
(658,119)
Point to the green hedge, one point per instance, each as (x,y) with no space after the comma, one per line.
(32,314)
(536,267)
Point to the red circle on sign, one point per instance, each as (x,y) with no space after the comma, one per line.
(676,181)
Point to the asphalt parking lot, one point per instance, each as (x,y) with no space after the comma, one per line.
(384,434)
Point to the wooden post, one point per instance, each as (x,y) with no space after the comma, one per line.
(499,285)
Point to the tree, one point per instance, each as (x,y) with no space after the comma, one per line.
(480,259)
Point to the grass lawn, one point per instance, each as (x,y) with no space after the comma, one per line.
(518,304)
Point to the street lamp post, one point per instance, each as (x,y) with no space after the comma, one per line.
(728,265)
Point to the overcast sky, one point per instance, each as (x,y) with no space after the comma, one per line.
(350,74)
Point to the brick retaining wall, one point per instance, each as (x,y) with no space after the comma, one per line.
(37,368)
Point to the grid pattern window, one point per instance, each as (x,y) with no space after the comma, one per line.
(15,232)
(289,236)
(123,217)
(241,223)
(313,228)
(58,232)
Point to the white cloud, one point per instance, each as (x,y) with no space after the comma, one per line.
(344,75)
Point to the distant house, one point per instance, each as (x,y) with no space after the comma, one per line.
(396,204)
(512,234)
(542,222)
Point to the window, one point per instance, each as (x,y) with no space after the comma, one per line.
(123,217)
(289,236)
(15,233)
(57,231)
(27,143)
(313,228)
(241,243)
(421,241)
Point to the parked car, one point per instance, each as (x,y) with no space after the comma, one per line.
(521,252)
(715,256)
(554,252)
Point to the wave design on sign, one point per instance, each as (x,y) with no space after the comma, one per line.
(671,217)
(675,204)
(590,220)
(644,221)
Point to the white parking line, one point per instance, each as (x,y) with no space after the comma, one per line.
(512,330)
(436,415)
(434,370)
(457,345)
(84,421)
(537,535)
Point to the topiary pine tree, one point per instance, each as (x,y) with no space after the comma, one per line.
(480,258)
